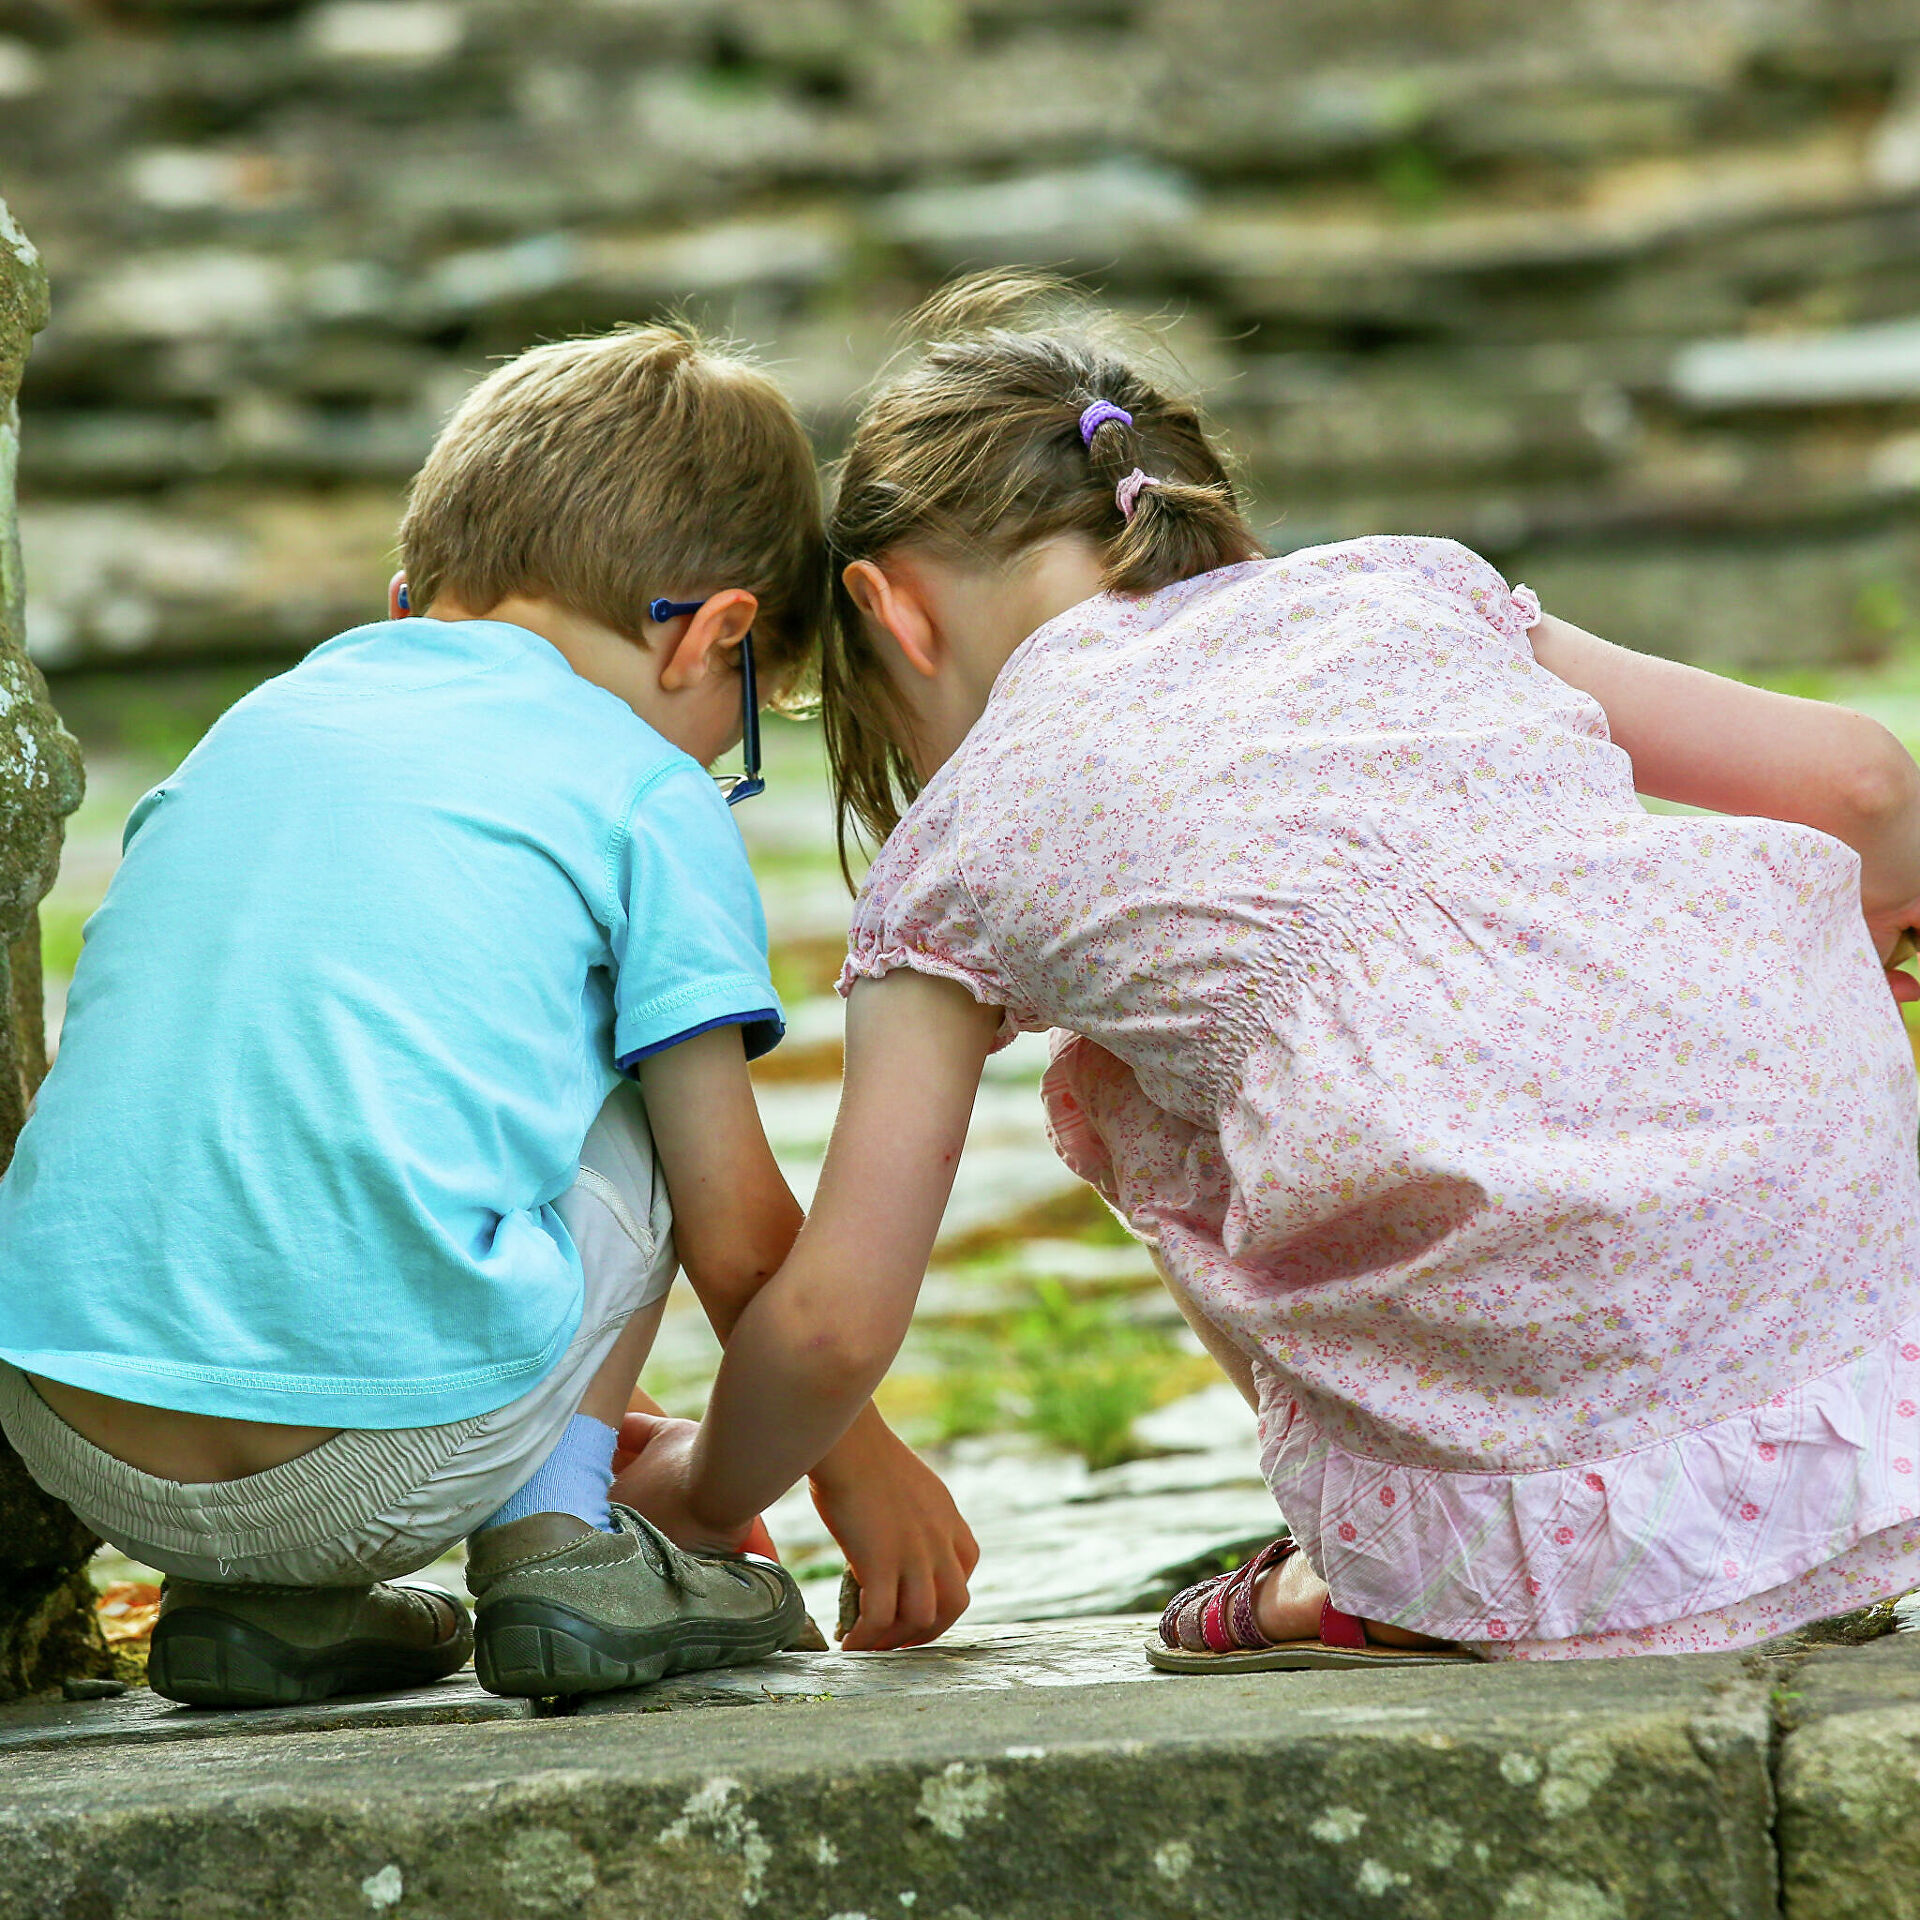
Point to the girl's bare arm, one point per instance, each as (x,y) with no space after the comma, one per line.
(734,1224)
(813,1343)
(1705,741)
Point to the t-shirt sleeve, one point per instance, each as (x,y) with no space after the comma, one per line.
(689,934)
(916,911)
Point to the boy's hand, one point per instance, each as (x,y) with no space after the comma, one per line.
(907,1546)
(653,1481)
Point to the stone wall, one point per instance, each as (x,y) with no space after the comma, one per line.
(47,1627)
(1618,290)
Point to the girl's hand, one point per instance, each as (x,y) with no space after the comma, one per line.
(652,1461)
(907,1546)
(1894,941)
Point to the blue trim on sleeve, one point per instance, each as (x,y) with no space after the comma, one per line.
(764,1031)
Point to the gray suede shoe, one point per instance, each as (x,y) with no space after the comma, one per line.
(565,1609)
(217,1646)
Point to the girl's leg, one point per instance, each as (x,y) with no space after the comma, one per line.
(1223,1350)
(1287,1602)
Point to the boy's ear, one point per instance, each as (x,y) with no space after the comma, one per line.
(706,641)
(894,604)
(398,604)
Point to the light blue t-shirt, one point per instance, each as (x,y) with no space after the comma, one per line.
(342,1022)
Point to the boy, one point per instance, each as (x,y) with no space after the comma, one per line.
(304,1272)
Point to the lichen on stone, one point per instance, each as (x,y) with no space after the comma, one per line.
(48,1631)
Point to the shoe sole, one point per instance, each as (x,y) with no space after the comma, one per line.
(204,1659)
(1300,1657)
(533,1649)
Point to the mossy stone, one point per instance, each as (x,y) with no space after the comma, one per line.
(47,1628)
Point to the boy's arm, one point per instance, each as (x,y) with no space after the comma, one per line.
(1705,741)
(734,1217)
(734,1222)
(814,1342)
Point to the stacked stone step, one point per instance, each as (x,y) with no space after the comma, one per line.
(1621,292)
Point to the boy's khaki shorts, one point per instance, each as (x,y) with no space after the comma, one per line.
(366,1505)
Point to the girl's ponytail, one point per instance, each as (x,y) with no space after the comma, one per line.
(1170,529)
(1022,418)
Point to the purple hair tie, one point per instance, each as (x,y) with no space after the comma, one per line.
(1126,496)
(1097,416)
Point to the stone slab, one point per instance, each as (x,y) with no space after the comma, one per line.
(141,1717)
(971,1659)
(1849,1784)
(1634,1790)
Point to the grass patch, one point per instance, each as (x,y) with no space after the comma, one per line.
(159,716)
(1076,1213)
(805,969)
(1074,1372)
(1088,1374)
(60,929)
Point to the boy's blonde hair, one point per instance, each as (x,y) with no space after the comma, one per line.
(975,452)
(608,471)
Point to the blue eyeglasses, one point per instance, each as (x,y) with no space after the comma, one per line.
(734,787)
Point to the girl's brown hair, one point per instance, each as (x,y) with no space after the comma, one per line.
(974,452)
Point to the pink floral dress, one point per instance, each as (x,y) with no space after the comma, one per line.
(1552,1161)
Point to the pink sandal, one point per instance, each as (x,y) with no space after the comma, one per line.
(1211,1628)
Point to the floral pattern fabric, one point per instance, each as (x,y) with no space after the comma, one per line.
(1552,1161)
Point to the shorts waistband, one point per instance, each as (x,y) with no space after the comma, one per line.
(305,1502)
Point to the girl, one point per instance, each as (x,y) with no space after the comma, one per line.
(1541,1169)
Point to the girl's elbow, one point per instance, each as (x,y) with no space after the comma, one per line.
(847,1362)
(1880,784)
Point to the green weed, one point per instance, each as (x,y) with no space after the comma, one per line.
(1412,178)
(1074,1372)
(1087,1374)
(967,1401)
(60,939)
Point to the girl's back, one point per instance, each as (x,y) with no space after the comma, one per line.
(1541,1168)
(1518,1132)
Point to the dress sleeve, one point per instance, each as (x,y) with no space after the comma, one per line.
(1463,576)
(689,936)
(916,911)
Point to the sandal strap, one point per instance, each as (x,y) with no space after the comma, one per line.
(1339,1629)
(1242,1628)
(1218,1612)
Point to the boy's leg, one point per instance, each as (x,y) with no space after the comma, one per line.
(222,1645)
(239,1646)
(575,1476)
(234,1630)
(574,1597)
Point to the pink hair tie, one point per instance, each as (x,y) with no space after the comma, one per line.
(1126,496)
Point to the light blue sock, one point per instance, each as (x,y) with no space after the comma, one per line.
(573,1478)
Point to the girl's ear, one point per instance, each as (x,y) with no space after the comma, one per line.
(894,603)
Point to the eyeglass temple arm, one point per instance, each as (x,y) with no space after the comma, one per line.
(751,782)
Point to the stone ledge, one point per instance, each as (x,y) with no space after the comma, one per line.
(1633,1790)
(973,1659)
(1849,1784)
(141,1718)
